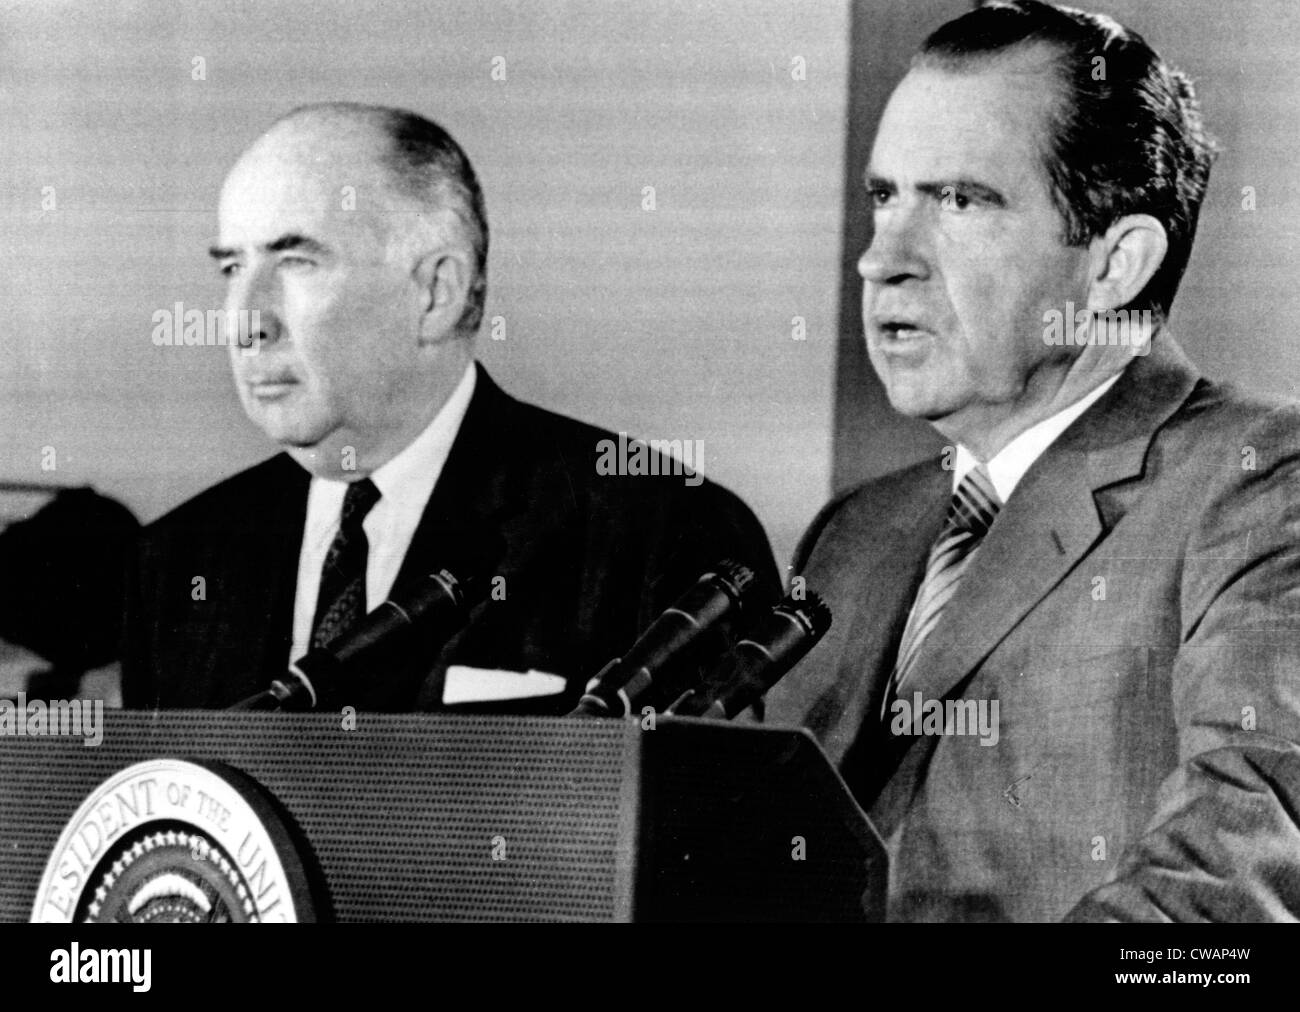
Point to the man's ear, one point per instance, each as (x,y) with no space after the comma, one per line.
(443,277)
(1124,259)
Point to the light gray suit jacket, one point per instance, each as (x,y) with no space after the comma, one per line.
(1135,614)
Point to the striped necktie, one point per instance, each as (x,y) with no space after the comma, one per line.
(970,514)
(342,599)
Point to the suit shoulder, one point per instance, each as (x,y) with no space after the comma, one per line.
(654,487)
(1220,413)
(232,500)
(1223,404)
(885,492)
(887,496)
(600,462)
(540,428)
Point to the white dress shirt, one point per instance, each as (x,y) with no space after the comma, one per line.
(405,484)
(1009,464)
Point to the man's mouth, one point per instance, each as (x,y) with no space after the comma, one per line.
(271,388)
(899,330)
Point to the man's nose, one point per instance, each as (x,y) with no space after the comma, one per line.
(253,305)
(897,251)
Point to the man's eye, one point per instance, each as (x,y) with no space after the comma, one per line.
(879,196)
(229,270)
(954,199)
(293,261)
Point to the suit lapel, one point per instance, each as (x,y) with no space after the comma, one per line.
(889,539)
(879,625)
(253,631)
(1052,520)
(281,583)
(472,502)
(1020,561)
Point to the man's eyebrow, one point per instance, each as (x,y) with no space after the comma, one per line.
(939,189)
(875,182)
(290,241)
(965,186)
(299,242)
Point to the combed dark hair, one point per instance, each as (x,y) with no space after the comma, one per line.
(428,166)
(429,163)
(1126,136)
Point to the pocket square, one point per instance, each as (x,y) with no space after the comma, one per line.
(486,685)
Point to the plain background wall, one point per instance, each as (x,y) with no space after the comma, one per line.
(1235,312)
(675,323)
(669,324)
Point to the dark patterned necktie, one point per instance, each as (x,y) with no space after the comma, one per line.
(342,599)
(971,512)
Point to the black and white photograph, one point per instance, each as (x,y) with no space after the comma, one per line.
(744,462)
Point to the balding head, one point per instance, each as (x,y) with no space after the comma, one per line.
(410,169)
(357,234)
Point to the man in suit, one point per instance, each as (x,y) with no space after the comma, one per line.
(1064,673)
(357,236)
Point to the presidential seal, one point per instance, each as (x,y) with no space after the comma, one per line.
(170,841)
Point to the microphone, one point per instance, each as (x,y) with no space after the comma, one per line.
(660,661)
(437,607)
(758,661)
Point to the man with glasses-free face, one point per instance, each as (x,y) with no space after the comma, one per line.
(1061,676)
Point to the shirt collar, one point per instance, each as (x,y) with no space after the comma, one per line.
(407,480)
(1009,464)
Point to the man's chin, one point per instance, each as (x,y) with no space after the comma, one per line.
(288,438)
(280,427)
(911,389)
(297,441)
(915,403)
(314,458)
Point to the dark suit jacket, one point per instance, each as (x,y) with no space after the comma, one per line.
(1135,613)
(589,561)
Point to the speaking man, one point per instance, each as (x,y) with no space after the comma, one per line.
(401,455)
(1064,673)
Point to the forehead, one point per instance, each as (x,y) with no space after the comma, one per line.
(305,183)
(988,122)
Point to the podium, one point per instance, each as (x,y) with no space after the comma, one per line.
(438,817)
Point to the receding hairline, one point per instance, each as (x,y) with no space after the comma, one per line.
(357,112)
(366,133)
(1041,58)
(356,130)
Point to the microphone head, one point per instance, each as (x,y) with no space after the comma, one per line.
(669,653)
(762,659)
(466,566)
(811,611)
(734,578)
